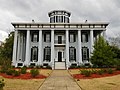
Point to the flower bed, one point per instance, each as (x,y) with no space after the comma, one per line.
(95,75)
(23,76)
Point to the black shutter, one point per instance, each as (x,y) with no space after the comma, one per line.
(81,38)
(37,53)
(88,54)
(31,53)
(75,54)
(50,37)
(86,37)
(44,37)
(82,53)
(37,37)
(32,37)
(44,54)
(74,37)
(69,54)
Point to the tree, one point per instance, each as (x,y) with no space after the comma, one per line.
(102,56)
(6,49)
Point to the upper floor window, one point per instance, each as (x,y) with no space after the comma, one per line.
(84,37)
(72,38)
(46,37)
(34,37)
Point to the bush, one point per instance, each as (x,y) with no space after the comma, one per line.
(23,70)
(16,73)
(2,84)
(34,72)
(10,72)
(48,67)
(100,72)
(110,71)
(93,71)
(118,68)
(87,73)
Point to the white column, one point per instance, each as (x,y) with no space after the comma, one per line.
(67,49)
(79,48)
(40,48)
(15,49)
(52,48)
(18,47)
(27,56)
(104,34)
(91,41)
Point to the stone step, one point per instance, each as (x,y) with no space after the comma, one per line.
(60,65)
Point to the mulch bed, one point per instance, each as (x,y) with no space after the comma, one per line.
(23,76)
(80,76)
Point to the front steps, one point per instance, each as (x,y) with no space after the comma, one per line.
(60,65)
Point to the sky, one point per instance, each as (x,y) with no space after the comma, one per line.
(81,10)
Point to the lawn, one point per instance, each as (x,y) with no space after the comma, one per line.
(29,84)
(104,83)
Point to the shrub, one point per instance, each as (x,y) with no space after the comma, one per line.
(100,72)
(93,71)
(10,72)
(110,71)
(87,73)
(118,68)
(16,73)
(34,72)
(23,70)
(48,67)
(2,84)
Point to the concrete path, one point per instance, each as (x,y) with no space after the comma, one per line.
(60,80)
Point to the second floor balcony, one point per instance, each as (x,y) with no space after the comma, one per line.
(59,42)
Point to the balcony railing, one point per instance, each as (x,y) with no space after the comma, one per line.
(59,42)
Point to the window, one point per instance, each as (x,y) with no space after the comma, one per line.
(46,37)
(84,37)
(34,37)
(72,38)
(72,54)
(85,54)
(34,54)
(47,53)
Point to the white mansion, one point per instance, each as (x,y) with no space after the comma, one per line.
(58,44)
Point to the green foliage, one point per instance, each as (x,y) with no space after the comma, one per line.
(34,72)
(87,73)
(23,70)
(118,68)
(2,84)
(16,73)
(10,72)
(102,56)
(101,71)
(110,71)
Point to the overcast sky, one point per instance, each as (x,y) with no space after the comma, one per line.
(81,10)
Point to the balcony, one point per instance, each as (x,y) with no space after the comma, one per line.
(59,42)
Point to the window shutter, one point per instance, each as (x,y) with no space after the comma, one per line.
(81,38)
(74,37)
(37,37)
(82,53)
(44,37)
(75,54)
(88,54)
(44,54)
(69,54)
(37,53)
(31,53)
(86,37)
(32,37)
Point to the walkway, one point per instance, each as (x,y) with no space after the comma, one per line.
(60,80)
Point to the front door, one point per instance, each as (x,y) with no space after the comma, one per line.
(59,39)
(59,56)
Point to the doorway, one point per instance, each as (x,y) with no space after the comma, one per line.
(59,56)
